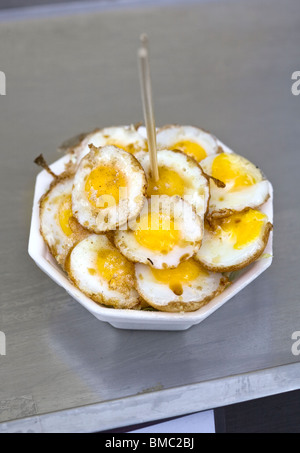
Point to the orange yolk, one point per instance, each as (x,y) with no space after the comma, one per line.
(157,232)
(229,168)
(114,267)
(186,272)
(65,213)
(130,148)
(192,149)
(103,186)
(170,183)
(244,228)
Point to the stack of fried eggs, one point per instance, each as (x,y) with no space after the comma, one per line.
(129,242)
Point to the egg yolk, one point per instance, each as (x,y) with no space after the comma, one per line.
(157,232)
(65,213)
(169,183)
(186,272)
(229,168)
(103,186)
(244,228)
(130,147)
(192,149)
(114,268)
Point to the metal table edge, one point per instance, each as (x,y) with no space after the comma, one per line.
(157,405)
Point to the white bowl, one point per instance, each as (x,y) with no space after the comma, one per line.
(135,319)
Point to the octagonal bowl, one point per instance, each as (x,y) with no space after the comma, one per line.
(136,319)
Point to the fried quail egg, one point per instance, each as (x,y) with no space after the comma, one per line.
(59,228)
(233,242)
(245,185)
(99,270)
(191,140)
(185,288)
(124,137)
(178,175)
(167,232)
(109,188)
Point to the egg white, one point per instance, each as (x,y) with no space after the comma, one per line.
(196,190)
(189,225)
(195,293)
(59,243)
(226,199)
(218,252)
(122,136)
(83,259)
(99,220)
(169,136)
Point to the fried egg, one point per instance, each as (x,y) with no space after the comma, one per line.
(99,270)
(59,228)
(124,137)
(245,185)
(109,188)
(233,242)
(167,232)
(185,288)
(178,175)
(191,140)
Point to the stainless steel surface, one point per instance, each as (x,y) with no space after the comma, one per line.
(225,66)
(160,404)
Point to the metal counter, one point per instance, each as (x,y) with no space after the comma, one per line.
(225,66)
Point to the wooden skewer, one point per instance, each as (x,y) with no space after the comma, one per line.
(145,80)
(144,41)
